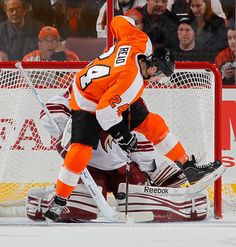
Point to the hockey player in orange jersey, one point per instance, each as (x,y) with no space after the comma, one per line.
(102,92)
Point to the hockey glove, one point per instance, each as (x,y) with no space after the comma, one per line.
(121,134)
(127,142)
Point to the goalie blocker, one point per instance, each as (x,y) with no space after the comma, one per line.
(146,202)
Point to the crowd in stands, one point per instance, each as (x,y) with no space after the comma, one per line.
(195,30)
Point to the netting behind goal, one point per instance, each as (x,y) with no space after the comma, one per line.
(190,104)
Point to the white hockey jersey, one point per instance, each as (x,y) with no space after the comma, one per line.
(109,155)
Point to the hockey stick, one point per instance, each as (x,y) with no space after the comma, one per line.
(127,171)
(87,179)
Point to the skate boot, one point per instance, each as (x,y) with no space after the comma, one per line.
(196,171)
(55,209)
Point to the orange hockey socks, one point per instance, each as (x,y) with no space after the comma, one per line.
(75,161)
(155,130)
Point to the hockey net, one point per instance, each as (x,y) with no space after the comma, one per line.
(190,104)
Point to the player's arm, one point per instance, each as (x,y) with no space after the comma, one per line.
(115,101)
(123,28)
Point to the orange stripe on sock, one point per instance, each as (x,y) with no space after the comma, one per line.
(177,153)
(75,161)
(63,190)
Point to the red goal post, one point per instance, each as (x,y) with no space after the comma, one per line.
(190,103)
(217,122)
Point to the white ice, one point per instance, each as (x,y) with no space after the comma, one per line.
(23,233)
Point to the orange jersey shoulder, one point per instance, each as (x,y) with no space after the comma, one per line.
(113,81)
(118,63)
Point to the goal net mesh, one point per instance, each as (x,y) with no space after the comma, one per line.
(28,157)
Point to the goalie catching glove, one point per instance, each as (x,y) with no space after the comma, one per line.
(126,140)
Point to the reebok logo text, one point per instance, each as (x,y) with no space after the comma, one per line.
(153,190)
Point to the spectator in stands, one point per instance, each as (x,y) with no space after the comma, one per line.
(50,48)
(120,7)
(225,60)
(76,18)
(18,33)
(159,23)
(136,16)
(3,56)
(187,49)
(211,29)
(181,6)
(186,34)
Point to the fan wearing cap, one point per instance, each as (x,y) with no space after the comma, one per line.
(186,34)
(159,23)
(136,16)
(187,49)
(50,48)
(19,31)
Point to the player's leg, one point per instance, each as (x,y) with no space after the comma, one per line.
(85,136)
(80,205)
(154,128)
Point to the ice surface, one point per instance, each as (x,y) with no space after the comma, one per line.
(21,232)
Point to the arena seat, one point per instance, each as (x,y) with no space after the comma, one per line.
(86,48)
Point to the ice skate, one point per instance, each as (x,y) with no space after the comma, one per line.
(55,209)
(195,171)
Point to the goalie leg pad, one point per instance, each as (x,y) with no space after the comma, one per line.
(38,201)
(164,207)
(80,205)
(168,176)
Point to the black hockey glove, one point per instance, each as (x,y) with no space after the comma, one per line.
(127,142)
(121,134)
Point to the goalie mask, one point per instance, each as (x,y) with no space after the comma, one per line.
(163,59)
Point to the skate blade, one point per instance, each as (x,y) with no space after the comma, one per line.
(207,180)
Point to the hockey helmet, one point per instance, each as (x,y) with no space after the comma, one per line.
(163,59)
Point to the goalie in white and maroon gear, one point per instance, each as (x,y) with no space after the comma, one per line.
(107,168)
